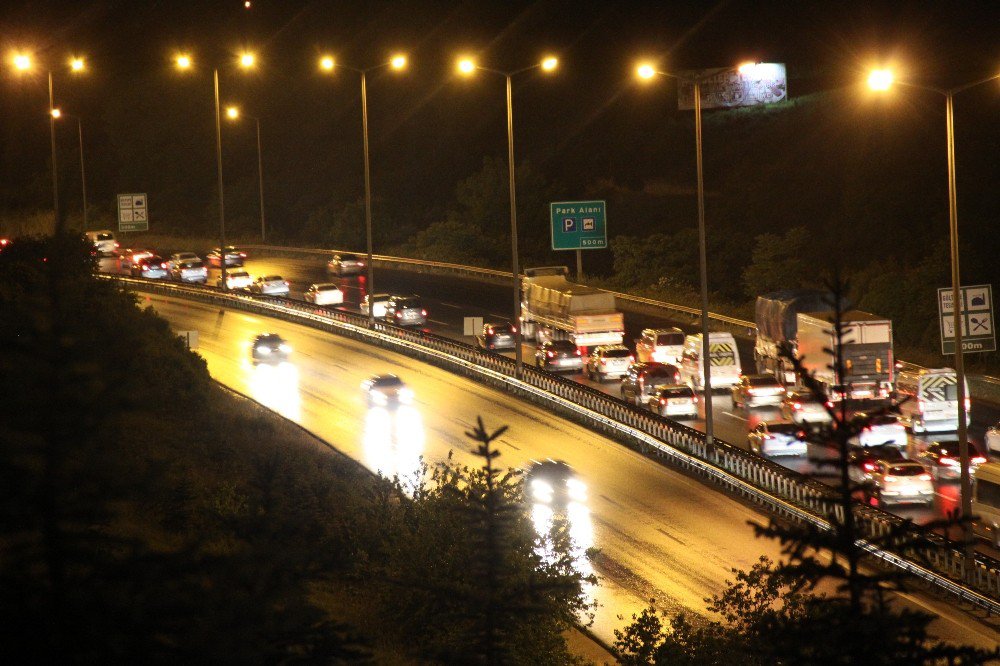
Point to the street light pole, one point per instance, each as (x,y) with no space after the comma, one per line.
(55,171)
(218,162)
(83,171)
(260,181)
(515,267)
(369,286)
(703,268)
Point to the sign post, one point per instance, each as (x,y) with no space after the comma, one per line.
(133,215)
(579,225)
(976,316)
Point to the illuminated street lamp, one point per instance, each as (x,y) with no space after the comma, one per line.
(233,113)
(647,71)
(468,67)
(398,63)
(881,80)
(57,113)
(23,63)
(184,62)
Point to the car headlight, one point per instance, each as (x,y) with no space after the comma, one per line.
(263,350)
(405,395)
(577,490)
(285,347)
(378,397)
(541,490)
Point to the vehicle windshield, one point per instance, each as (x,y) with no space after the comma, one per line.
(387,381)
(153,259)
(616,353)
(348,257)
(906,470)
(408,303)
(766,380)
(271,278)
(679,392)
(327,287)
(660,371)
(104,237)
(670,339)
(272,339)
(562,345)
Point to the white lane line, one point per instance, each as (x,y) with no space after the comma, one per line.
(440,323)
(451,305)
(496,316)
(735,416)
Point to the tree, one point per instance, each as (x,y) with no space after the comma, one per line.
(778,261)
(465,576)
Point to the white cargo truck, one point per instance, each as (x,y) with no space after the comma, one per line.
(552,307)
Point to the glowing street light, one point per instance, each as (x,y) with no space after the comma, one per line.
(882,80)
(397,62)
(183,62)
(645,71)
(55,113)
(467,67)
(247,60)
(22,62)
(77,64)
(232,112)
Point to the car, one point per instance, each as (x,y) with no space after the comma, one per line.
(558,355)
(899,481)
(130,256)
(269,285)
(943,462)
(802,406)
(674,400)
(183,256)
(192,270)
(386,391)
(104,242)
(757,391)
(377,302)
(608,361)
(405,311)
(660,345)
(879,429)
(992,438)
(151,267)
(861,460)
(269,348)
(777,438)
(323,293)
(346,264)
(553,483)
(641,379)
(497,335)
(4,242)
(235,280)
(234,257)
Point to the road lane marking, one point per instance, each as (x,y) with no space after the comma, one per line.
(440,323)
(452,305)
(735,416)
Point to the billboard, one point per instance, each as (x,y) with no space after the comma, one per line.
(761,83)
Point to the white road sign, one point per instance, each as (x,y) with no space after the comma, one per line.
(133,214)
(976,317)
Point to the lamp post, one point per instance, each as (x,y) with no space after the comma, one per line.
(646,71)
(57,113)
(398,63)
(23,63)
(467,67)
(246,61)
(881,80)
(233,113)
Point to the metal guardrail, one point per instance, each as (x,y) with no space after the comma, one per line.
(982,387)
(781,491)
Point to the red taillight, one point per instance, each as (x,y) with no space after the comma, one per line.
(423,313)
(550,354)
(796,405)
(286,283)
(663,401)
(361,263)
(604,361)
(924,477)
(489,330)
(398,315)
(513,329)
(945,460)
(968,404)
(694,398)
(829,403)
(243,254)
(116,244)
(163,265)
(631,358)
(869,467)
(578,353)
(979,460)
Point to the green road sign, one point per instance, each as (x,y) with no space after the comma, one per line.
(579,225)
(975,316)
(132,212)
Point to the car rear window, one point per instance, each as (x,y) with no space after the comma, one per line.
(662,371)
(670,339)
(764,381)
(388,381)
(327,287)
(191,264)
(884,419)
(785,428)
(104,237)
(679,392)
(563,345)
(348,257)
(616,353)
(906,470)
(238,274)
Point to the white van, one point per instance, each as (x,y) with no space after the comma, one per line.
(104,242)
(986,502)
(724,359)
(660,345)
(930,399)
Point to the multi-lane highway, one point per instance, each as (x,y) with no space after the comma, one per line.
(660,533)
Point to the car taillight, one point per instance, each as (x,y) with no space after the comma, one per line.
(890,477)
(423,313)
(604,361)
(979,460)
(578,353)
(869,467)
(513,329)
(924,477)
(550,354)
(663,401)
(968,404)
(694,398)
(829,403)
(796,405)
(116,244)
(243,254)
(163,265)
(398,315)
(945,460)
(361,263)
(631,358)
(489,330)
(286,283)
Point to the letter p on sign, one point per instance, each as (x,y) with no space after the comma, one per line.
(569,224)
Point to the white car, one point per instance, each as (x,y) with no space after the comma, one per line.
(881,429)
(777,439)
(900,481)
(324,293)
(236,280)
(677,400)
(182,256)
(608,361)
(270,285)
(993,438)
(378,304)
(803,407)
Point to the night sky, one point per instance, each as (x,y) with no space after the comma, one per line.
(429,129)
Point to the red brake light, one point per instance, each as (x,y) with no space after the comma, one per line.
(945,460)
(694,398)
(550,354)
(286,283)
(979,460)
(924,477)
(243,254)
(578,353)
(398,315)
(513,329)
(423,312)
(663,401)
(869,466)
(489,330)
(797,405)
(163,265)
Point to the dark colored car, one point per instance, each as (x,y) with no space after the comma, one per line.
(641,379)
(861,461)
(558,356)
(554,483)
(405,311)
(269,348)
(496,335)
(943,462)
(152,267)
(346,264)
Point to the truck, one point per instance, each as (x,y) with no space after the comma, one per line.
(802,320)
(552,307)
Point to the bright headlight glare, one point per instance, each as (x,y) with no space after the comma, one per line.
(541,490)
(285,347)
(379,397)
(405,395)
(263,350)
(577,489)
